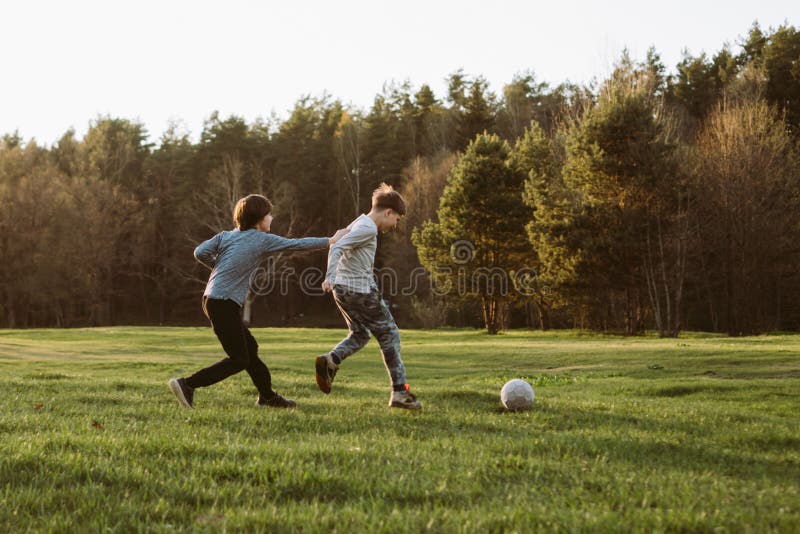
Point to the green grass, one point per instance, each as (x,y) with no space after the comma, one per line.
(698,434)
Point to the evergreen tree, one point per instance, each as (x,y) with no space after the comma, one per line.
(782,65)
(616,186)
(480,110)
(753,45)
(541,161)
(473,108)
(526,100)
(429,123)
(306,170)
(479,242)
(695,86)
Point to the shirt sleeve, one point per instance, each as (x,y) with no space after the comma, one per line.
(357,237)
(276,243)
(207,251)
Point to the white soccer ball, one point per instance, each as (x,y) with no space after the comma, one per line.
(517,395)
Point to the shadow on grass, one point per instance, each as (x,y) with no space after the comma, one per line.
(684,390)
(668,444)
(47,376)
(469,397)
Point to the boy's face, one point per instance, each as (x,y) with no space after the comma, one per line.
(389,221)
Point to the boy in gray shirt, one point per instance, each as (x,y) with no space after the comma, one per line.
(350,278)
(233,257)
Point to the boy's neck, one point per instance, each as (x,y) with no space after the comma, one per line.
(375,215)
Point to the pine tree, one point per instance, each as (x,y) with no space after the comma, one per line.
(591,225)
(479,242)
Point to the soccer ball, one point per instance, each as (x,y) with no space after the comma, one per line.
(517,395)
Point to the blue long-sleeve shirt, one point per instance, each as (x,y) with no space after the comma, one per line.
(234,255)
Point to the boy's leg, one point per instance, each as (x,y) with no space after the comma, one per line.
(349,304)
(230,330)
(367,312)
(375,315)
(326,365)
(257,369)
(261,377)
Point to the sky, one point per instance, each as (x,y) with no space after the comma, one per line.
(64,64)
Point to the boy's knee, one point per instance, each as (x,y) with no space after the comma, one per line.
(389,337)
(361,337)
(242,357)
(240,363)
(250,339)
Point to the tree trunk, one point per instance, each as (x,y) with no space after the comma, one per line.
(491,314)
(544,314)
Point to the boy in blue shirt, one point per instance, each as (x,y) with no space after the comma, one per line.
(233,256)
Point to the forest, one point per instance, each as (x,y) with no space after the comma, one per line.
(659,199)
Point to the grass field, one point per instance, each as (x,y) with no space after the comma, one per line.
(698,434)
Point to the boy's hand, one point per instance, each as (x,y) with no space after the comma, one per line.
(327,287)
(341,232)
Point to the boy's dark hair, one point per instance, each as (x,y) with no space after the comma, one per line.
(249,210)
(386,197)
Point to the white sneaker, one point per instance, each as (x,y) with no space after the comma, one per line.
(404,399)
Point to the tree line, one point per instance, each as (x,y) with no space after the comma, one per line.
(649,200)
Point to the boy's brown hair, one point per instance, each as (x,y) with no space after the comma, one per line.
(386,197)
(250,210)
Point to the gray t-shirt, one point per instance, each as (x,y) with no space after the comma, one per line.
(351,260)
(233,255)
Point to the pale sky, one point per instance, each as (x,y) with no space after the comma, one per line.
(66,62)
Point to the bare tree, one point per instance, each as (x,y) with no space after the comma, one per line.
(665,258)
(425,179)
(347,140)
(749,184)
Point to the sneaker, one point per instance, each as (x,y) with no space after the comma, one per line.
(326,370)
(182,392)
(278,401)
(404,399)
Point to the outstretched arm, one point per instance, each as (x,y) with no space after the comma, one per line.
(276,243)
(340,233)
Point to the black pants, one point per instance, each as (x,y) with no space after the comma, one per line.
(238,343)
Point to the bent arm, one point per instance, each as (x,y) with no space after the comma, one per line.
(207,251)
(333,263)
(356,238)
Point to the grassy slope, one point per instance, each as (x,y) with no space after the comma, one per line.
(636,434)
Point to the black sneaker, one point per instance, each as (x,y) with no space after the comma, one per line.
(182,392)
(326,370)
(278,401)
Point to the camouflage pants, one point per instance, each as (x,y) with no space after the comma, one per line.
(367,313)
